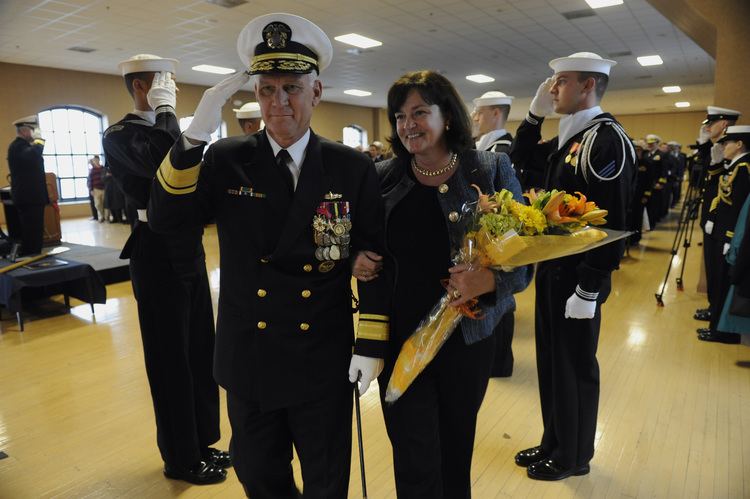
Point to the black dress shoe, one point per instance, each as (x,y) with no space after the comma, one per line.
(702,314)
(218,457)
(550,470)
(703,330)
(530,456)
(202,473)
(719,337)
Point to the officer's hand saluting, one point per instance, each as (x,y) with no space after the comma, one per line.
(207,116)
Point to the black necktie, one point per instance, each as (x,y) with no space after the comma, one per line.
(282,160)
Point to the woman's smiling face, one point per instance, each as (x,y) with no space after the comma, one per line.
(420,126)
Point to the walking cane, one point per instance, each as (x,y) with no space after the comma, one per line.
(359,437)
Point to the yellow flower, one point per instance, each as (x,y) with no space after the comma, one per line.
(532,220)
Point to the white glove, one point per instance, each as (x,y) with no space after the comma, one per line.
(163,91)
(207,116)
(36,133)
(578,308)
(717,153)
(709,227)
(368,367)
(726,249)
(541,105)
(703,135)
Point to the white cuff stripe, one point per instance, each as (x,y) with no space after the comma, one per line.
(586,295)
(531,120)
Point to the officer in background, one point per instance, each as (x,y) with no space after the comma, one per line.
(593,155)
(290,207)
(249,117)
(710,157)
(170,283)
(733,189)
(658,179)
(680,162)
(641,194)
(28,186)
(489,117)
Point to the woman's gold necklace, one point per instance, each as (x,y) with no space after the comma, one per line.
(434,173)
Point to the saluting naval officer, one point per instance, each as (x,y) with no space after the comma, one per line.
(710,156)
(248,116)
(170,283)
(290,209)
(593,155)
(28,187)
(733,189)
(488,118)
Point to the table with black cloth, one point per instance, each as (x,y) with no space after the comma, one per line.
(75,279)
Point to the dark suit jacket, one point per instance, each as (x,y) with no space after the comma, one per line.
(284,331)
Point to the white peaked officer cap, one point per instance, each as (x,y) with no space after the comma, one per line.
(493,98)
(737,133)
(715,113)
(248,111)
(283,43)
(30,121)
(582,61)
(147,63)
(651,138)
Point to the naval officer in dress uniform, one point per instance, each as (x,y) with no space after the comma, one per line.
(488,118)
(28,187)
(290,208)
(723,212)
(710,157)
(592,154)
(170,283)
(249,118)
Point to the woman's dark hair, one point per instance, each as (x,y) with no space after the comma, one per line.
(434,89)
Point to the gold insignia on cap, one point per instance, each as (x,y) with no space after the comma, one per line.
(276,35)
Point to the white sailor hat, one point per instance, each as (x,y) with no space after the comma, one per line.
(651,138)
(582,61)
(30,121)
(248,110)
(493,98)
(143,63)
(715,113)
(283,43)
(737,132)
(673,143)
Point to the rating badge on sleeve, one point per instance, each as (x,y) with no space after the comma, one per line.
(331,230)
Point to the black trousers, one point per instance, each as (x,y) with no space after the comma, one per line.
(31,217)
(177,328)
(722,283)
(712,253)
(567,367)
(432,425)
(502,366)
(320,431)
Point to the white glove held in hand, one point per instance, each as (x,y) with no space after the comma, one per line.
(369,367)
(207,117)
(578,308)
(726,248)
(541,105)
(709,227)
(717,154)
(163,91)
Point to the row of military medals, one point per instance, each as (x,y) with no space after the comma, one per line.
(332,225)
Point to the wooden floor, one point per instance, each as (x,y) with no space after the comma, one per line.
(76,417)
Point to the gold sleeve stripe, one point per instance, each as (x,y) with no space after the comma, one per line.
(369,330)
(730,233)
(373,317)
(176,181)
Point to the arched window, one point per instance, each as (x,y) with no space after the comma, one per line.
(355,135)
(73,135)
(219,133)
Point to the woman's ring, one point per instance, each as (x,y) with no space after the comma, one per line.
(456,294)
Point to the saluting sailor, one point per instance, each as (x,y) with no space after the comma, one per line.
(593,155)
(248,116)
(169,281)
(733,189)
(488,119)
(290,208)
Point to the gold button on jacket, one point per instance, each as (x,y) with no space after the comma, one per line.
(261,325)
(306,293)
(453,216)
(262,293)
(304,326)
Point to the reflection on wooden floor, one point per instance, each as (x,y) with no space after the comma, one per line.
(76,418)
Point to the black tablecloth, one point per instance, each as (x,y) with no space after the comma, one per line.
(75,279)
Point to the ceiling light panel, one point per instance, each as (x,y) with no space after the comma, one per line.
(208,68)
(358,41)
(480,78)
(650,60)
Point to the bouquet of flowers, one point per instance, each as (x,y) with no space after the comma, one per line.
(503,234)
